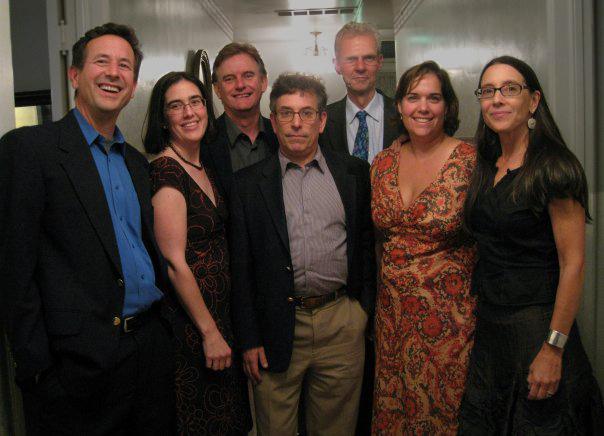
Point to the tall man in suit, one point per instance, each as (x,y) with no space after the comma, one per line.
(360,123)
(81,272)
(304,277)
(244,135)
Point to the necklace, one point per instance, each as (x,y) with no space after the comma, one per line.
(199,167)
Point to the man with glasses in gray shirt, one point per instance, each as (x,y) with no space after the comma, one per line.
(304,277)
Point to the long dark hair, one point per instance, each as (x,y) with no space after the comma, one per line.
(156,136)
(413,75)
(550,170)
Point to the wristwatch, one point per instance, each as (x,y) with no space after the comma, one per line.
(556,339)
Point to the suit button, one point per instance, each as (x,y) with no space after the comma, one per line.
(117,321)
(120,283)
(289,268)
(290,299)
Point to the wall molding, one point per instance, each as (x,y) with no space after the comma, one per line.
(405,13)
(218,17)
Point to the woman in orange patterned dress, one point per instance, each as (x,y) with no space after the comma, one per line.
(424,315)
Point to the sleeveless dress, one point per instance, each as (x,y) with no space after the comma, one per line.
(424,320)
(208,402)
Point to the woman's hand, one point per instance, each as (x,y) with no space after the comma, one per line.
(544,373)
(217,351)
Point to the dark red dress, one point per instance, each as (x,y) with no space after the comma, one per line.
(424,312)
(208,402)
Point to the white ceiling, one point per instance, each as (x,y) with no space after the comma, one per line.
(254,19)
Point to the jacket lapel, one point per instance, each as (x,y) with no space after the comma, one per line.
(347,187)
(81,170)
(272,191)
(337,129)
(391,131)
(217,155)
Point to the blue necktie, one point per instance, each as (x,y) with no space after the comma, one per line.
(361,142)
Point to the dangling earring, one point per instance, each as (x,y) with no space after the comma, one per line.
(532,122)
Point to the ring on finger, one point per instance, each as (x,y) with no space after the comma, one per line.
(549,394)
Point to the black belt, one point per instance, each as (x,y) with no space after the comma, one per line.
(135,322)
(317,301)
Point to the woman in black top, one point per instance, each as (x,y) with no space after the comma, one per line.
(527,208)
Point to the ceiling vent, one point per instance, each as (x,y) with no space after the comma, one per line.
(307,12)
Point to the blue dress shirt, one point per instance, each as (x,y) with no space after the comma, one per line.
(139,276)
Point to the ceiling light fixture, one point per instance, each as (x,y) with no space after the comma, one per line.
(316,50)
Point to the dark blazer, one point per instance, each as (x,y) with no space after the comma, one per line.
(334,135)
(217,156)
(262,275)
(63,287)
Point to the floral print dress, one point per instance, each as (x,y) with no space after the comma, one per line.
(424,316)
(208,402)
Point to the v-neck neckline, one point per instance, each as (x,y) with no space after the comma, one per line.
(197,184)
(423,191)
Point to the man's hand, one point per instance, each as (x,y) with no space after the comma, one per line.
(251,358)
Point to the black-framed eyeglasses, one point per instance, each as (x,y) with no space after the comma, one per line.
(509,90)
(177,106)
(287,115)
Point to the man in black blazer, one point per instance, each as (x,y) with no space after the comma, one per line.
(81,272)
(304,275)
(358,60)
(244,136)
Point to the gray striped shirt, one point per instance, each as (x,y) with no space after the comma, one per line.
(316,226)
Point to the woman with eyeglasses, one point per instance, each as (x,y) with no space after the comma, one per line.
(424,318)
(527,208)
(190,216)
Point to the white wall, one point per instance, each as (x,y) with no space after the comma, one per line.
(557,39)
(29,43)
(7,93)
(462,36)
(167,30)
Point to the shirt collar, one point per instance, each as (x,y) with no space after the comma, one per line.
(90,133)
(374,109)
(318,160)
(233,131)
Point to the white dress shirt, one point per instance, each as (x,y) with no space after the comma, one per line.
(375,124)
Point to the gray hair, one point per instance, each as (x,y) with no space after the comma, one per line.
(355,29)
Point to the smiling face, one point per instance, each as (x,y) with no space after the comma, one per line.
(298,140)
(106,82)
(240,84)
(423,108)
(507,115)
(188,124)
(358,62)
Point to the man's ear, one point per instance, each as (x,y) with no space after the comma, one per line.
(380,61)
(73,73)
(336,65)
(264,83)
(273,122)
(217,90)
(323,119)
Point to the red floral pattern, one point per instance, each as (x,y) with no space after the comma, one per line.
(425,314)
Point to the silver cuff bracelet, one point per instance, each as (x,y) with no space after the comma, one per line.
(556,339)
